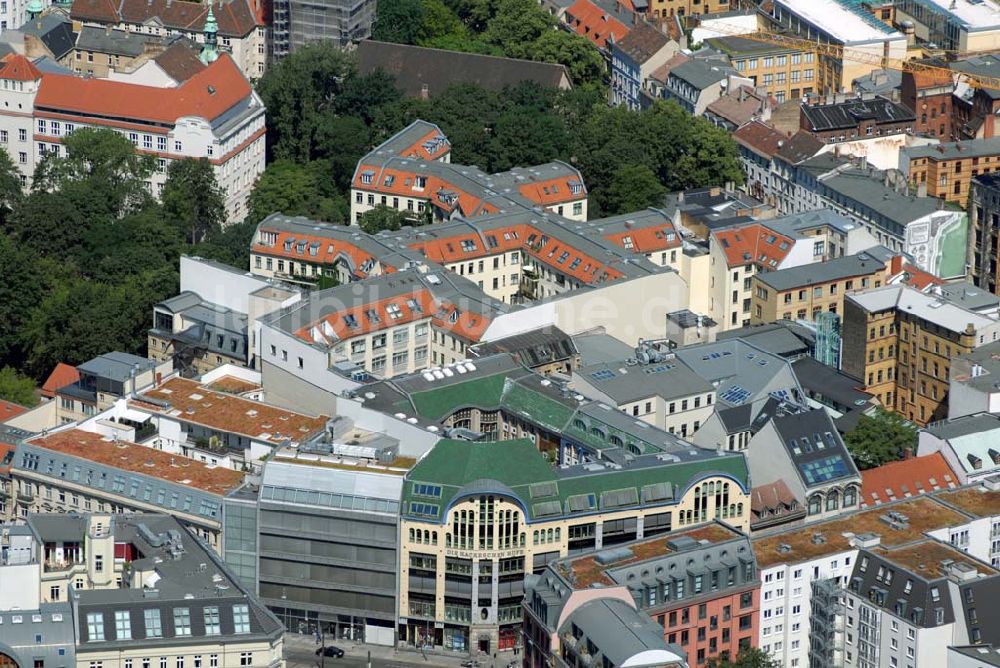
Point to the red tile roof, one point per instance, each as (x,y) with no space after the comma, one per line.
(760,137)
(588,20)
(771,496)
(18,68)
(61,376)
(647,239)
(754,244)
(902,272)
(236,18)
(8,410)
(208,94)
(902,479)
(419,150)
(375,316)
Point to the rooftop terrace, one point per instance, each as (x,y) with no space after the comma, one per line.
(925,559)
(138,459)
(923,514)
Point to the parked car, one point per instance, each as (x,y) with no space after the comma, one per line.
(470,663)
(330,650)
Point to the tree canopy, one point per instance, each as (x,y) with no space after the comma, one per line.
(751,657)
(879,439)
(17,388)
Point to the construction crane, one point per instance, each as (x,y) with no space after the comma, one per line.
(845,53)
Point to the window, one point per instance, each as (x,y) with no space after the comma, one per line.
(98,563)
(123,625)
(246,658)
(212,627)
(241,619)
(95,626)
(182,621)
(154,628)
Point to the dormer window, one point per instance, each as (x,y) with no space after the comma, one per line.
(367,176)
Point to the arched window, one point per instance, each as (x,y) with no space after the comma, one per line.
(832,500)
(739,510)
(557,534)
(850,497)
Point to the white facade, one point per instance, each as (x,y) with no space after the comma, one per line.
(786,602)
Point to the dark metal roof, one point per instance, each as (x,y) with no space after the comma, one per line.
(844,115)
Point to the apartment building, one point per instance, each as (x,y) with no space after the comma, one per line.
(512,257)
(476,517)
(214,114)
(709,607)
(211,322)
(973,379)
(412,172)
(947,170)
(397,323)
(910,603)
(128,588)
(929,94)
(296,23)
(978,536)
(670,8)
(901,341)
(856,119)
(633,60)
(239,25)
(654,386)
(984,223)
(73,470)
(804,572)
(839,23)
(736,255)
(967,443)
(101,382)
(784,72)
(804,292)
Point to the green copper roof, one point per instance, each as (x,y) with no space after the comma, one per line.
(516,467)
(440,402)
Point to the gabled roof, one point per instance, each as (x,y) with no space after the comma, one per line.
(208,94)
(642,42)
(61,376)
(420,70)
(16,67)
(753,244)
(54,30)
(8,410)
(760,138)
(587,19)
(906,478)
(180,62)
(235,18)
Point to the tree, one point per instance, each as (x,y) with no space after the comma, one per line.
(632,188)
(100,171)
(751,657)
(11,193)
(17,388)
(230,246)
(398,21)
(295,190)
(384,218)
(582,60)
(296,91)
(516,25)
(880,438)
(25,279)
(192,200)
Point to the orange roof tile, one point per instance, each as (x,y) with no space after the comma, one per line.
(418,150)
(588,20)
(8,410)
(902,479)
(190,402)
(910,275)
(61,376)
(550,191)
(753,244)
(648,239)
(208,94)
(139,459)
(16,67)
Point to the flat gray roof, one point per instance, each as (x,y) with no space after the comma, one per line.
(861,264)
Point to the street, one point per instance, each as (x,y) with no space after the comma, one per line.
(300,652)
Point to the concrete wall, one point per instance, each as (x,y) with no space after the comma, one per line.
(628,310)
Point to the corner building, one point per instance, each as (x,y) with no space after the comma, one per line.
(476,517)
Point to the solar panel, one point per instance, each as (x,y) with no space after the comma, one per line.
(824,469)
(656,492)
(735,395)
(603,374)
(542,489)
(619,497)
(581,502)
(546,508)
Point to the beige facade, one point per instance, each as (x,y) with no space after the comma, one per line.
(807,301)
(488,538)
